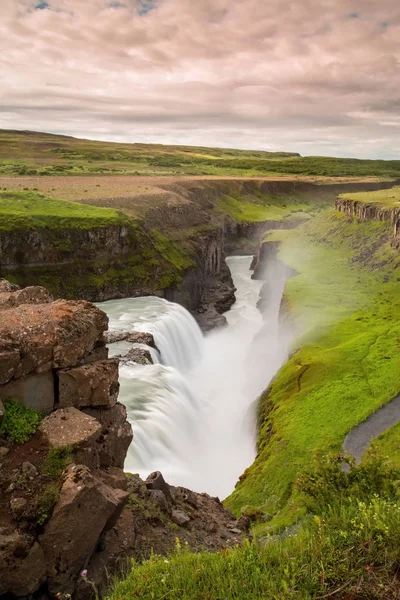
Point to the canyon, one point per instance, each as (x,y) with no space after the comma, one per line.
(69,508)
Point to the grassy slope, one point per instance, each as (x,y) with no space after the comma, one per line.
(387,198)
(351,546)
(29,153)
(348,356)
(28,210)
(388,446)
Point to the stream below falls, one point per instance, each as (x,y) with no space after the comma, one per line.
(193,412)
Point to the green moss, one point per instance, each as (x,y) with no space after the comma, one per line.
(32,210)
(19,423)
(57,461)
(344,306)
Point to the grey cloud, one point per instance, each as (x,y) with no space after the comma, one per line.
(300,76)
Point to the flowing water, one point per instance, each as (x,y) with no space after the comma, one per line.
(194,411)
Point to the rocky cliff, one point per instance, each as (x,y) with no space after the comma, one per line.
(365,210)
(68,512)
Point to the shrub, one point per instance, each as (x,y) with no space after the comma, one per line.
(19,423)
(336,478)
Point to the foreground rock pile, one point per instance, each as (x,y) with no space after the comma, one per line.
(68,512)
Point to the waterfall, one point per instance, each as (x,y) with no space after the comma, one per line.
(193,413)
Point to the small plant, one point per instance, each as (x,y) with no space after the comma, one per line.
(19,423)
(57,461)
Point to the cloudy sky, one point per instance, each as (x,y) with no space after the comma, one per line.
(312,76)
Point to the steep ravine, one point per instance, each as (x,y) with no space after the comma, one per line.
(176,250)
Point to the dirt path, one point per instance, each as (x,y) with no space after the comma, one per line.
(359,438)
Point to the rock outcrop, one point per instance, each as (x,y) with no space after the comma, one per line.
(376,212)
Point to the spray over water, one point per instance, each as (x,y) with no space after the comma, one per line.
(194,411)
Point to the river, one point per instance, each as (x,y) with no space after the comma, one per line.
(193,412)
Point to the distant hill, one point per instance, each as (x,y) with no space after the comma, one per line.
(36,153)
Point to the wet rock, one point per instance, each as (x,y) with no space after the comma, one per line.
(116,434)
(95,384)
(134,337)
(29,470)
(179,517)
(140,356)
(69,426)
(34,391)
(84,508)
(22,564)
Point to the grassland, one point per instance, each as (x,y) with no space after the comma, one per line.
(385,198)
(30,210)
(30,154)
(344,306)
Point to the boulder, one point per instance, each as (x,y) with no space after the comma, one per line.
(116,434)
(139,356)
(22,564)
(179,517)
(86,507)
(134,337)
(69,426)
(40,337)
(156,481)
(9,363)
(34,391)
(95,384)
(29,295)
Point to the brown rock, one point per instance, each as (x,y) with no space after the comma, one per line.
(35,391)
(18,505)
(156,481)
(2,411)
(94,385)
(84,509)
(44,336)
(9,363)
(3,451)
(69,426)
(29,295)
(134,337)
(116,434)
(115,478)
(22,564)
(179,517)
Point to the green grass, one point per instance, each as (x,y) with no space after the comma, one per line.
(387,198)
(351,546)
(30,210)
(265,207)
(19,423)
(388,446)
(344,306)
(30,153)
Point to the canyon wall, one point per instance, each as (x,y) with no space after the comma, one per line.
(176,250)
(377,212)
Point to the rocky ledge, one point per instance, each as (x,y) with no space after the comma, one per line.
(68,512)
(376,212)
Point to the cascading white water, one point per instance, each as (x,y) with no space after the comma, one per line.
(193,413)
